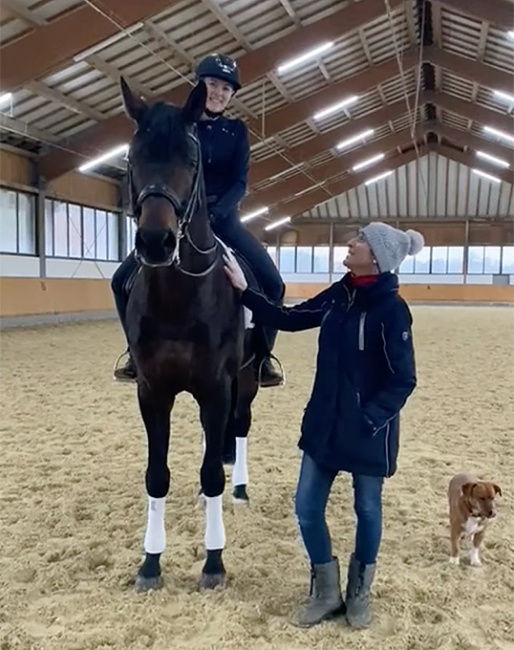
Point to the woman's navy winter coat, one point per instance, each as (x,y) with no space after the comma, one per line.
(365,371)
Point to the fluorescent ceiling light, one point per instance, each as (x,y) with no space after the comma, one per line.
(311,54)
(493,159)
(279,222)
(335,107)
(109,41)
(252,215)
(307,189)
(499,134)
(511,34)
(378,178)
(368,162)
(356,138)
(5,98)
(506,96)
(495,179)
(112,153)
(286,171)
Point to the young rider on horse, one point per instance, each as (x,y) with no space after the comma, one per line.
(225,160)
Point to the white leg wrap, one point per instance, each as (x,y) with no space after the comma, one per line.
(474,556)
(240,469)
(155,538)
(214,527)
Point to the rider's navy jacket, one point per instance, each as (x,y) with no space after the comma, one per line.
(365,371)
(225,158)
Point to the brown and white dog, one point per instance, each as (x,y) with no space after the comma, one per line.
(472,506)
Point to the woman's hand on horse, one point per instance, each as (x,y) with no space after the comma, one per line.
(234,272)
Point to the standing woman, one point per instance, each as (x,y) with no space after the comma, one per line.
(225,160)
(365,371)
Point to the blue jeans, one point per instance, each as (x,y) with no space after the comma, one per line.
(313,490)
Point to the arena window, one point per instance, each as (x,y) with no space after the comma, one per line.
(508,259)
(18,231)
(476,260)
(130,234)
(80,232)
(321,259)
(304,259)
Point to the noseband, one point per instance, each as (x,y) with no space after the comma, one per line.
(184,210)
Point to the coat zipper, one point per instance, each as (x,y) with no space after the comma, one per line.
(209,148)
(362,320)
(386,443)
(351,298)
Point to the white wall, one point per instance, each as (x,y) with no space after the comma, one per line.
(28,267)
(61,268)
(25,266)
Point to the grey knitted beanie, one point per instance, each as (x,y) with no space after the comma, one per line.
(390,246)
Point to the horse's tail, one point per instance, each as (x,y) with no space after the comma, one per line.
(229,446)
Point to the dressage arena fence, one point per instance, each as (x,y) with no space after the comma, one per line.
(33,300)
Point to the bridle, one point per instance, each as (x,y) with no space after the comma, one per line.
(185,210)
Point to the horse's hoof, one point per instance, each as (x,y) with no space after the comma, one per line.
(212,580)
(240,496)
(147,584)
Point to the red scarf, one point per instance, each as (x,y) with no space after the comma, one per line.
(361,280)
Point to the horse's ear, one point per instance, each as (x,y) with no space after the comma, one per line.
(134,105)
(195,104)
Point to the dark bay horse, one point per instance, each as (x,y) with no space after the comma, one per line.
(186,324)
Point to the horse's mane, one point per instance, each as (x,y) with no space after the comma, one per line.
(164,132)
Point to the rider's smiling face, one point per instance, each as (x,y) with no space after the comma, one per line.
(219,94)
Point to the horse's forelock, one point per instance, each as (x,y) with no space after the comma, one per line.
(164,131)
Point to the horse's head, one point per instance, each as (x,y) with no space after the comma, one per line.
(164,171)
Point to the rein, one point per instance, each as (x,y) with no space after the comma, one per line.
(184,212)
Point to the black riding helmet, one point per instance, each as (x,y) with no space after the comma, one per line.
(221,67)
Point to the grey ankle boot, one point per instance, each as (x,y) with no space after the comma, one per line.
(326,600)
(358,588)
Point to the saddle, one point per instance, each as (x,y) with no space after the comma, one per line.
(251,278)
(253,283)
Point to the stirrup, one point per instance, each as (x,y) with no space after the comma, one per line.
(115,367)
(259,371)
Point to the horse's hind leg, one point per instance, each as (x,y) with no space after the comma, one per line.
(214,412)
(240,427)
(155,412)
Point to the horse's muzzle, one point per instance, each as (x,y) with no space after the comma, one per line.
(155,247)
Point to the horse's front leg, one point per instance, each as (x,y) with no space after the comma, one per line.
(155,412)
(214,406)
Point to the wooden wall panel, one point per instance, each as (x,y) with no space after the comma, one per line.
(440,234)
(423,292)
(496,233)
(15,169)
(18,171)
(32,296)
(436,233)
(86,190)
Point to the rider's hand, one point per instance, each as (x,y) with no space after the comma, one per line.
(234,272)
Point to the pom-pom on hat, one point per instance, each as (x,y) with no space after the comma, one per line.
(390,246)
